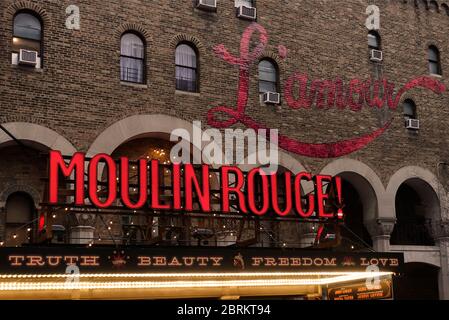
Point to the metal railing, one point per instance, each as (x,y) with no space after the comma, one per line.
(413,231)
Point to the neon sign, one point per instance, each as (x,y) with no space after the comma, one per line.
(254,192)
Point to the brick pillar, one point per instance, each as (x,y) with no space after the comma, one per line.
(380,231)
(2,223)
(440,230)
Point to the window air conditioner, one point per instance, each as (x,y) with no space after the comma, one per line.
(412,124)
(28,57)
(208,5)
(247,13)
(271,98)
(376,55)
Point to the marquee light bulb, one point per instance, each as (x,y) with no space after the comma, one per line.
(329,278)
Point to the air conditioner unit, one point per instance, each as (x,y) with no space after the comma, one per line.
(208,5)
(412,124)
(28,57)
(271,98)
(247,13)
(376,55)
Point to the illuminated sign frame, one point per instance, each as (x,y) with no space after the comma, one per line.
(255,193)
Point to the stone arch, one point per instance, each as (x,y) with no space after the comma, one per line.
(9,190)
(36,133)
(366,182)
(433,6)
(422,4)
(182,37)
(125,27)
(272,55)
(445,8)
(137,126)
(28,5)
(426,184)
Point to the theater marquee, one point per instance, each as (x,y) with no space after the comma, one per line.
(256,193)
(179,260)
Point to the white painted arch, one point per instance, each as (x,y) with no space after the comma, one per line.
(25,131)
(415,173)
(137,126)
(367,183)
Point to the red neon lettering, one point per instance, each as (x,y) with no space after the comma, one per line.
(321,196)
(111,177)
(288,193)
(155,204)
(226,189)
(177,205)
(76,164)
(142,181)
(252,192)
(204,194)
(298,196)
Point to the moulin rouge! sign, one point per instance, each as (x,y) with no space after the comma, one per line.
(255,192)
(323,93)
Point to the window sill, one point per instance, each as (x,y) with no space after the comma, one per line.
(438,76)
(194,94)
(134,85)
(27,68)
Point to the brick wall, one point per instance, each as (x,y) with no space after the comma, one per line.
(78,93)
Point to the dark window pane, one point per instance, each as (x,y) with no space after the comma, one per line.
(265,86)
(433,55)
(186,79)
(185,56)
(20,43)
(246,3)
(132,46)
(186,68)
(267,71)
(373,41)
(267,76)
(434,67)
(27,26)
(409,109)
(131,70)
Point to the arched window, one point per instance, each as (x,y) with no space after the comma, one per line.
(27,33)
(409,107)
(433,6)
(132,58)
(20,212)
(434,61)
(268,76)
(186,68)
(373,40)
(446,8)
(246,3)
